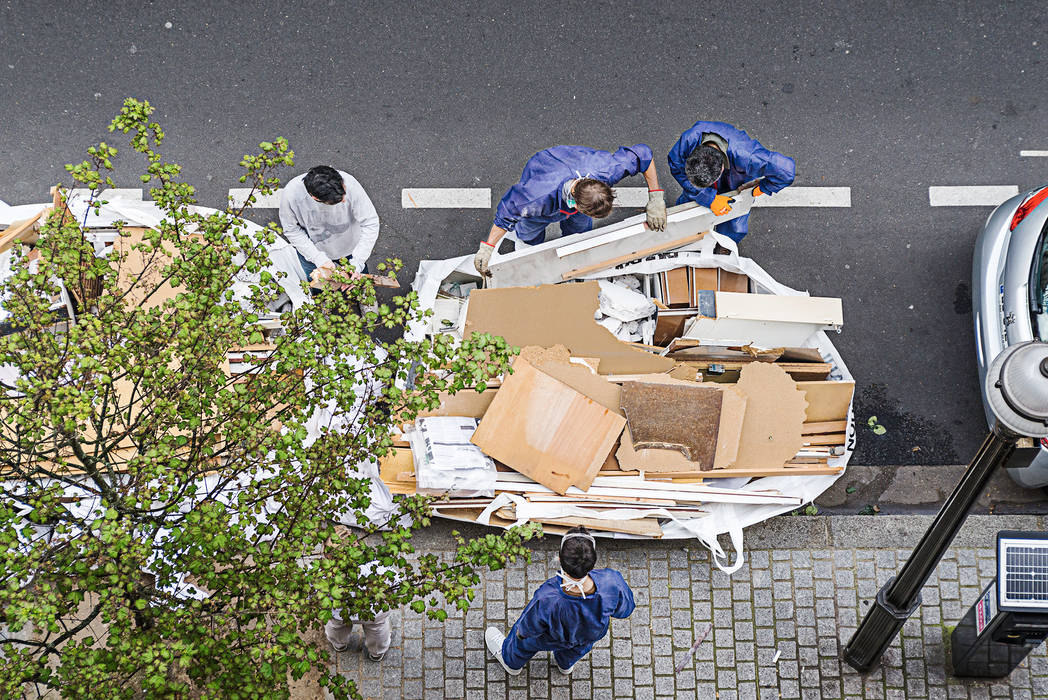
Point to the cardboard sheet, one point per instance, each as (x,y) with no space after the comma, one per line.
(467,402)
(546,430)
(775,408)
(557,314)
(556,362)
(733,409)
(827,401)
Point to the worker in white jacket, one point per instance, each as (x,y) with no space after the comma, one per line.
(329,218)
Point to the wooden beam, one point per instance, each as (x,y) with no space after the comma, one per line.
(635,255)
(19,232)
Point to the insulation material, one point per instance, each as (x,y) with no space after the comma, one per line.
(775,409)
(733,408)
(624,303)
(557,314)
(674,417)
(545,429)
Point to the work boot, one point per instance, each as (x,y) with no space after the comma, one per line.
(493,638)
(373,657)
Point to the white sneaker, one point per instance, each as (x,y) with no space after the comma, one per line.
(493,638)
(564,671)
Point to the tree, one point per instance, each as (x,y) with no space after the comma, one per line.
(185,514)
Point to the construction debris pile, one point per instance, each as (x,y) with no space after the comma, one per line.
(635,404)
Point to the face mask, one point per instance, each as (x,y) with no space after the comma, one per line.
(566,581)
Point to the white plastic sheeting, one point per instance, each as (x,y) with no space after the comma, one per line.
(722,518)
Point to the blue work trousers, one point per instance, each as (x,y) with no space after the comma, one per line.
(533,231)
(517,652)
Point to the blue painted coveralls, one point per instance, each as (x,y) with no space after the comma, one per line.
(540,199)
(747,160)
(567,625)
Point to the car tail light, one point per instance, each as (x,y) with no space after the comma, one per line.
(1044,443)
(1028,206)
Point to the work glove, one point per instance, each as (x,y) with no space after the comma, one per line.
(656,210)
(480,260)
(721,205)
(757,191)
(323,272)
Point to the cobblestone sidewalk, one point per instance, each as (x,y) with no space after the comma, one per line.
(778,624)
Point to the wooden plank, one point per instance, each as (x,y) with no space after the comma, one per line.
(20,231)
(734,282)
(799,371)
(834,426)
(546,430)
(647,527)
(825,439)
(635,255)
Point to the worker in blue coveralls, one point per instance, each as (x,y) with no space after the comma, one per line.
(569,613)
(572,185)
(711,158)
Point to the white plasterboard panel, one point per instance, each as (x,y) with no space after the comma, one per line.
(825,311)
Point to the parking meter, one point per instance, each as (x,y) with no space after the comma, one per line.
(1010,619)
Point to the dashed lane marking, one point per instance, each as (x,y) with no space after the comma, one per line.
(1034,154)
(446,198)
(971,195)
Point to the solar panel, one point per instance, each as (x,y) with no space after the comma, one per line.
(1022,574)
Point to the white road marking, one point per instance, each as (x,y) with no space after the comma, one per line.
(790,197)
(628,197)
(971,195)
(1034,154)
(806,197)
(105,195)
(446,198)
(262,201)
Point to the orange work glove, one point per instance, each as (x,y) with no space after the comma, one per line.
(757,191)
(721,205)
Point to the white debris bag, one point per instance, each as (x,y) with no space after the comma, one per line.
(623,303)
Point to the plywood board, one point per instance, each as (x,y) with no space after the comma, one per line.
(20,231)
(549,315)
(543,428)
(733,407)
(676,292)
(734,282)
(833,426)
(825,311)
(674,417)
(827,401)
(646,527)
(771,429)
(556,362)
(140,274)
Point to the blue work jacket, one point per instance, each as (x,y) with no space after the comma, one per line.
(747,160)
(539,196)
(554,619)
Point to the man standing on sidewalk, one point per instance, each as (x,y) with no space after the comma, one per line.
(329,218)
(569,613)
(378,633)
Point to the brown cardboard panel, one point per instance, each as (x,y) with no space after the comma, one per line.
(141,272)
(464,403)
(556,362)
(771,429)
(555,314)
(734,282)
(676,292)
(674,416)
(685,372)
(669,326)
(827,401)
(733,412)
(546,430)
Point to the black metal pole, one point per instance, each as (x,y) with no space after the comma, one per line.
(901,595)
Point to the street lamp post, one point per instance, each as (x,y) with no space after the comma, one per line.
(1017,391)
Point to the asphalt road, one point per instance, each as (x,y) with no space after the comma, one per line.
(885,98)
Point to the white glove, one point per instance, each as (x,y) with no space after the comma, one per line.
(480,260)
(656,210)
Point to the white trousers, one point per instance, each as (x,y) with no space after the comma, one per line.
(377,633)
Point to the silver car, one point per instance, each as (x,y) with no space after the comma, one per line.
(1010,300)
